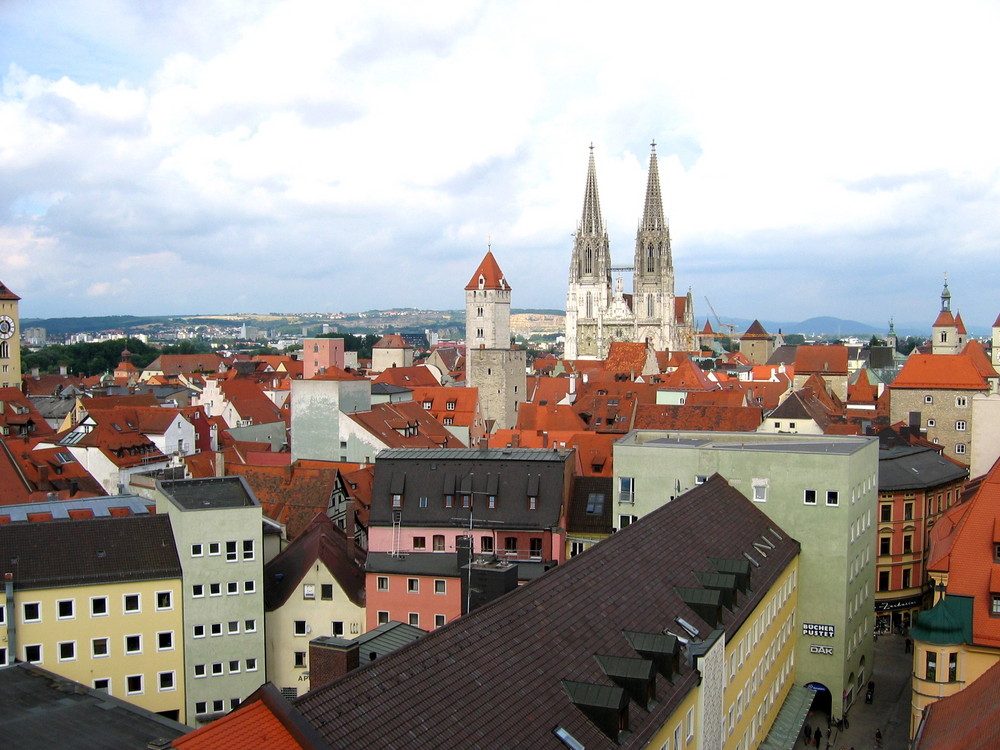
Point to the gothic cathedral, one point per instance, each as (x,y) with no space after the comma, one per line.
(599,312)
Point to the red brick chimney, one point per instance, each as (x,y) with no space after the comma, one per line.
(329,658)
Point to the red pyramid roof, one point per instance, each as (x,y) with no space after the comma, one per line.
(944,319)
(491,274)
(959,324)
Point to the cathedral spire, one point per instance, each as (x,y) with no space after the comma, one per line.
(652,214)
(591,223)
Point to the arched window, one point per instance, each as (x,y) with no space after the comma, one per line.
(590,305)
(650,263)
(4,350)
(649,306)
(588,261)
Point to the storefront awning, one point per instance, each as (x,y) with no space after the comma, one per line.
(791,717)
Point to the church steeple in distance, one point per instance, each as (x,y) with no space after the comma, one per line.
(591,250)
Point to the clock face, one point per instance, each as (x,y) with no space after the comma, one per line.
(6,327)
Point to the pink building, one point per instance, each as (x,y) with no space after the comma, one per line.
(426,507)
(320,354)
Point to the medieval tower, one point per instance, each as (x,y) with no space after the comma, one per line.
(598,311)
(10,339)
(490,364)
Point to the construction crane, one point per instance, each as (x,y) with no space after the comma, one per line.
(728,327)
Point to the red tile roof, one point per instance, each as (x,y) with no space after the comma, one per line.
(756,331)
(548,417)
(626,358)
(980,358)
(962,545)
(265,720)
(687,377)
(944,320)
(489,274)
(7,294)
(829,359)
(945,371)
(405,425)
(687,417)
(959,325)
(408,377)
(392,341)
(967,720)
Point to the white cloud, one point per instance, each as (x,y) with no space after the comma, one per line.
(272,142)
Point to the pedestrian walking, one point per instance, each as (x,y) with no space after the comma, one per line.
(817,736)
(878,737)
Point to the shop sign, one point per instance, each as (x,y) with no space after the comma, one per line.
(816,630)
(826,650)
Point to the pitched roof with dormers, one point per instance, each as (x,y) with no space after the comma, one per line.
(548,389)
(182,364)
(963,542)
(954,372)
(610,406)
(488,275)
(548,417)
(250,402)
(19,417)
(405,425)
(687,377)
(548,631)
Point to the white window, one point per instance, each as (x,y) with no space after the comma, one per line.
(214,548)
(249,587)
(199,631)
(198,590)
(383,583)
(165,641)
(928,399)
(31,612)
(234,666)
(216,629)
(626,490)
(232,588)
(832,497)
(164,600)
(959,447)
(215,589)
(216,669)
(440,586)
(196,550)
(249,626)
(65,609)
(960,425)
(251,665)
(300,627)
(99,648)
(133,644)
(248,552)
(961,401)
(132,604)
(231,552)
(415,619)
(931,423)
(809,497)
(233,627)
(165,681)
(99,606)
(199,670)
(103,683)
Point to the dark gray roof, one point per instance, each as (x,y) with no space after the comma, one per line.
(50,554)
(385,639)
(207,494)
(783,355)
(387,389)
(905,467)
(439,564)
(505,666)
(44,710)
(509,475)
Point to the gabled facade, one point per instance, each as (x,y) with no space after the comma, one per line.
(598,311)
(314,587)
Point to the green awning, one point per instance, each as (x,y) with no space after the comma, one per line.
(791,717)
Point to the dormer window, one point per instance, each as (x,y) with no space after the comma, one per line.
(397,500)
(450,406)
(427,404)
(482,281)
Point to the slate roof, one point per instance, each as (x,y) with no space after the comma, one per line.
(321,543)
(584,517)
(496,675)
(385,639)
(89,551)
(210,493)
(511,475)
(43,710)
(906,467)
(491,274)
(967,720)
(783,355)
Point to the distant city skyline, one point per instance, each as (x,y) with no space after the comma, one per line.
(190,158)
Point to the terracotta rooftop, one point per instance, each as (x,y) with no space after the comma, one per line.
(756,331)
(944,371)
(488,275)
(829,359)
(691,417)
(7,294)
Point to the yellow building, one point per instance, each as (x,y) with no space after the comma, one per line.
(97,601)
(10,339)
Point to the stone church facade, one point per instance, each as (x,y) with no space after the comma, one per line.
(598,311)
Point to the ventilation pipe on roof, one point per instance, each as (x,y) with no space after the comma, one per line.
(11,616)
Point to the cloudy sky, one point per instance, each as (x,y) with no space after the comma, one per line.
(176,156)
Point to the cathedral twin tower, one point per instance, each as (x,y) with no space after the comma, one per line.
(598,313)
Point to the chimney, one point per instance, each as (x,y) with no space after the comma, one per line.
(43,473)
(63,370)
(34,373)
(349,529)
(220,464)
(331,657)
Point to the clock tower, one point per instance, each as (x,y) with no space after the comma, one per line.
(10,339)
